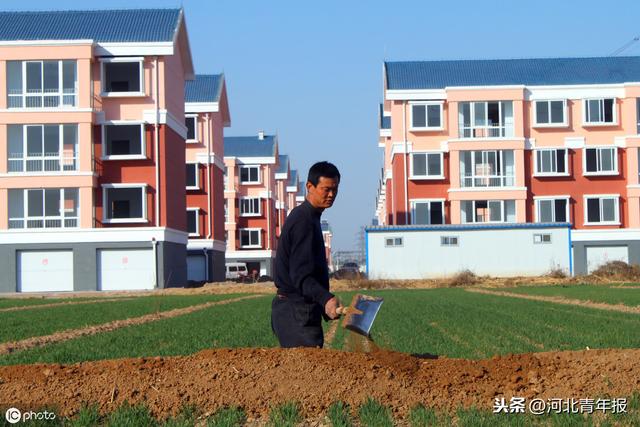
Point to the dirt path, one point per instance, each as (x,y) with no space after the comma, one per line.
(560,300)
(28,343)
(330,334)
(255,379)
(58,304)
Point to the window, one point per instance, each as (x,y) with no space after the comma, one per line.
(123,141)
(41,84)
(448,240)
(601,161)
(487,168)
(250,206)
(191,122)
(492,119)
(192,221)
(124,203)
(43,208)
(426,116)
(638,116)
(602,209)
(193,183)
(250,238)
(551,161)
(600,111)
(550,113)
(391,242)
(42,148)
(552,209)
(478,211)
(250,174)
(426,165)
(541,238)
(427,212)
(122,76)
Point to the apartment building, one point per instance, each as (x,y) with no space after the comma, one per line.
(293,188)
(501,142)
(251,193)
(92,149)
(282,201)
(327,236)
(206,116)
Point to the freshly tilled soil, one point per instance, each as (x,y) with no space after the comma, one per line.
(256,379)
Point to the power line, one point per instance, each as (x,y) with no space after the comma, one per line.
(624,46)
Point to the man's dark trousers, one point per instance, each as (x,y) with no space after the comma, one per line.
(297,323)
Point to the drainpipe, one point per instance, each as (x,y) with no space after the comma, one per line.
(156,142)
(206,265)
(209,211)
(268,208)
(404,157)
(154,243)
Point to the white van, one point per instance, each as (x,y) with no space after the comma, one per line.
(236,270)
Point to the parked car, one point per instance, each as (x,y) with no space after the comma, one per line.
(236,271)
(348,270)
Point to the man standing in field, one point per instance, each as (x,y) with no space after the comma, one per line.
(301,272)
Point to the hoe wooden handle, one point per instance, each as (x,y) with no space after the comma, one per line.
(342,310)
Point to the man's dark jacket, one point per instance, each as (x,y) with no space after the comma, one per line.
(301,264)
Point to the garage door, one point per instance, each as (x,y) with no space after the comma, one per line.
(196,268)
(125,269)
(598,255)
(45,271)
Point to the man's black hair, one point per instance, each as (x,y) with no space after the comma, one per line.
(325,169)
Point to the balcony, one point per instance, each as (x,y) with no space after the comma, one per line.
(48,98)
(43,222)
(490,131)
(468,180)
(49,162)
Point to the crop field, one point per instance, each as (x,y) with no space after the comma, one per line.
(437,356)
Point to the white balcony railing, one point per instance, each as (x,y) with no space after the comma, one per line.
(48,98)
(490,131)
(475,181)
(49,162)
(43,222)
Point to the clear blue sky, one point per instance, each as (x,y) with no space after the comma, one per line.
(312,71)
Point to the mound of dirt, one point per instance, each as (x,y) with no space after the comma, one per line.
(257,378)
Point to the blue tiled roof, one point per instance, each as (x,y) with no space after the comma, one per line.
(283,163)
(497,72)
(293,178)
(205,88)
(249,146)
(385,121)
(134,25)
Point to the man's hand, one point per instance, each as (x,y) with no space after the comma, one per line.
(330,308)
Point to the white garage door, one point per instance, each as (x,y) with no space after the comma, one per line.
(45,271)
(598,255)
(125,269)
(196,268)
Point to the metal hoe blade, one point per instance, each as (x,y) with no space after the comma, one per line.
(362,313)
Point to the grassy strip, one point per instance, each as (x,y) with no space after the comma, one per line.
(373,414)
(595,293)
(285,415)
(19,325)
(35,301)
(240,324)
(339,415)
(421,322)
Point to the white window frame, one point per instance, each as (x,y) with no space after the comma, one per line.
(538,199)
(60,92)
(250,246)
(197,211)
(143,190)
(503,127)
(143,140)
(195,128)
(396,242)
(615,197)
(65,163)
(259,181)
(62,217)
(539,238)
(599,148)
(139,60)
(503,178)
(536,164)
(614,107)
(413,176)
(197,186)
(413,202)
(426,105)
(503,219)
(446,240)
(565,121)
(251,214)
